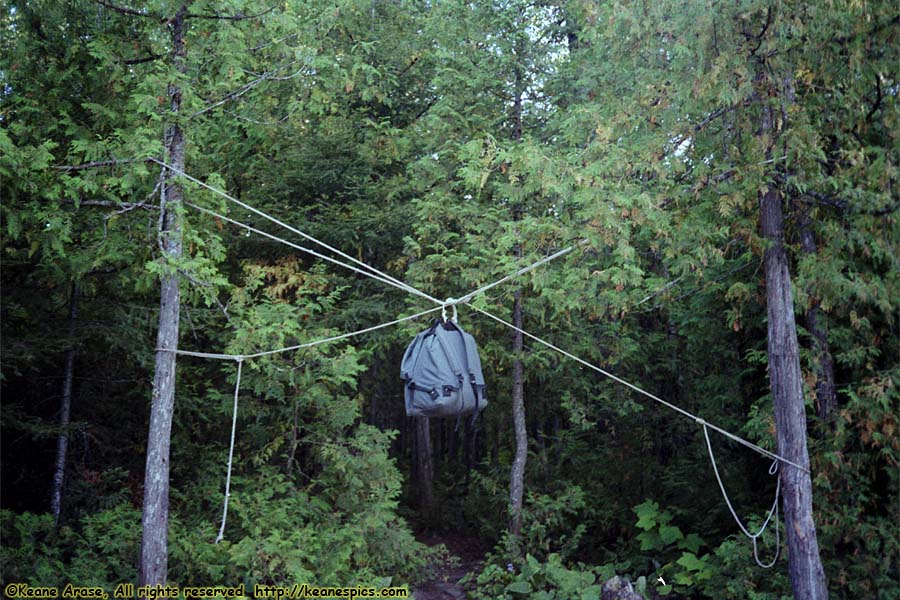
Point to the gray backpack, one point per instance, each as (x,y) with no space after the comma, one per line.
(442,373)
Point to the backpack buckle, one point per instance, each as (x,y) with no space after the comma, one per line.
(433,393)
(448,390)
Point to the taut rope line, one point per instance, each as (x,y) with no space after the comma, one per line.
(686,413)
(374,273)
(292,229)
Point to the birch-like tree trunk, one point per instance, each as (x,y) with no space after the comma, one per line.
(517,475)
(155,515)
(65,409)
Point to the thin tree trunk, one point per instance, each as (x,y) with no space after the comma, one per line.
(65,409)
(425,468)
(517,476)
(804,564)
(155,515)
(823,363)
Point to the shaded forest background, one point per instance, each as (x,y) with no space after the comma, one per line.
(450,143)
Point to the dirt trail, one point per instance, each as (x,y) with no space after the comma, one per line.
(469,552)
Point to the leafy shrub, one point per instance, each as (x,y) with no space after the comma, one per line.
(550,580)
(102,549)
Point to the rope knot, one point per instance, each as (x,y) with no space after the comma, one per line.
(449,302)
(239,358)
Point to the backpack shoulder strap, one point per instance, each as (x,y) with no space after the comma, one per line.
(440,333)
(472,358)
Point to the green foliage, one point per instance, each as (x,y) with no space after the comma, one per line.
(549,580)
(392,131)
(728,571)
(100,550)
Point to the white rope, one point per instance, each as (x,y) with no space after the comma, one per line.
(465,299)
(241,357)
(324,257)
(302,234)
(237,387)
(686,413)
(773,470)
(442,306)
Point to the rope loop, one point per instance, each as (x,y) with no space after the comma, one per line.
(449,302)
(772,512)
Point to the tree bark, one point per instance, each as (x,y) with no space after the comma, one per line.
(62,442)
(155,514)
(517,476)
(804,564)
(425,468)
(823,363)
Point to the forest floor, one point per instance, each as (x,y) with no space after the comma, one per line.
(466,554)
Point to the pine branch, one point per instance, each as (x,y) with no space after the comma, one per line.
(267,76)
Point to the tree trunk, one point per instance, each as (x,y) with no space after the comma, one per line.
(425,468)
(62,442)
(823,364)
(155,515)
(517,477)
(805,566)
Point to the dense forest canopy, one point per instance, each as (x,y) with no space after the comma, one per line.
(725,174)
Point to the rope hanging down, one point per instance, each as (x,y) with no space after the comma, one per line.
(237,388)
(773,470)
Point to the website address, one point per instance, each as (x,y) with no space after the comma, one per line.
(303,590)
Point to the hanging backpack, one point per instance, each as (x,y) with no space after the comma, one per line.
(442,374)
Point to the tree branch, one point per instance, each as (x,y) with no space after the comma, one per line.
(100,163)
(146,59)
(267,76)
(877,103)
(129,11)
(125,206)
(237,17)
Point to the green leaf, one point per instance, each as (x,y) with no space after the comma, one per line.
(519,587)
(670,534)
(647,513)
(690,562)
